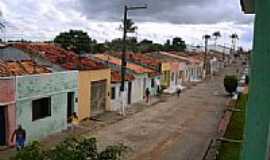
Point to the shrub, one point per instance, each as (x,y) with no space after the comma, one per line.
(72,149)
(230,83)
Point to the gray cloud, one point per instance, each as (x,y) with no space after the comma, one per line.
(172,11)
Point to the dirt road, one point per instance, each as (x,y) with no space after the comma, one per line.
(178,129)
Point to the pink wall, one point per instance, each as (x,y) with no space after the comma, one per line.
(7,90)
(10,112)
(174,66)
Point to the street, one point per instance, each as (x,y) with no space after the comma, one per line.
(178,129)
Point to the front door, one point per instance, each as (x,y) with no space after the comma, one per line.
(98,97)
(2,126)
(129,92)
(70,105)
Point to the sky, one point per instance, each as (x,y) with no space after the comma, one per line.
(162,20)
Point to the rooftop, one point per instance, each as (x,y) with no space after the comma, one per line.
(66,59)
(141,59)
(134,67)
(116,77)
(18,68)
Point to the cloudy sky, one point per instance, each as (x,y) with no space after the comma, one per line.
(189,19)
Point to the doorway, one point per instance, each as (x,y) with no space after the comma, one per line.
(98,97)
(70,105)
(129,92)
(2,126)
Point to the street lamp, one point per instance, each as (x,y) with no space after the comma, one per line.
(124,62)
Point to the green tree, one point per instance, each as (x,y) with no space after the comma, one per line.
(72,149)
(230,83)
(216,36)
(131,28)
(75,40)
(178,44)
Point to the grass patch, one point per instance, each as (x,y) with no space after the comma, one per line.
(235,130)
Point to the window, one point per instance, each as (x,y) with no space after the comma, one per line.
(152,83)
(41,108)
(113,93)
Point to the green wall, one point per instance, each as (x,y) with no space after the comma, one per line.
(258,113)
(54,85)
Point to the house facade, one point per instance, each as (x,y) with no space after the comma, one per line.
(143,78)
(34,97)
(94,79)
(7,108)
(44,102)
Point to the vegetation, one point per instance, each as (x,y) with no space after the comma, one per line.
(72,149)
(235,130)
(216,36)
(230,84)
(75,40)
(80,42)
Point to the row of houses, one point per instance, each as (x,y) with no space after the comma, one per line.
(42,84)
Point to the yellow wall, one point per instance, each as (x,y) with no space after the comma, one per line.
(165,68)
(84,97)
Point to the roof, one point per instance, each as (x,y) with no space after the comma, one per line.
(178,57)
(56,55)
(13,54)
(248,6)
(18,68)
(116,77)
(134,67)
(189,58)
(141,59)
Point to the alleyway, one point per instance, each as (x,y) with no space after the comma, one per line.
(178,129)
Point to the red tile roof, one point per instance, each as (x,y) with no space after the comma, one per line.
(17,68)
(114,60)
(67,59)
(141,59)
(116,77)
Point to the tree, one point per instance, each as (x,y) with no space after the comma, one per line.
(131,28)
(72,149)
(75,40)
(230,83)
(216,36)
(178,44)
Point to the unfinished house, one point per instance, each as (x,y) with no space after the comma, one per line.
(35,98)
(94,79)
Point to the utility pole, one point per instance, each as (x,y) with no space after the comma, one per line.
(124,62)
(206,38)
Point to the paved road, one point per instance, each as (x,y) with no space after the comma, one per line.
(178,129)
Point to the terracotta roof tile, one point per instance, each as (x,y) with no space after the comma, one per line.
(134,67)
(116,77)
(141,59)
(67,59)
(17,68)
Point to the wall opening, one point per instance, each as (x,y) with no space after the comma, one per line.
(41,108)
(2,126)
(70,105)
